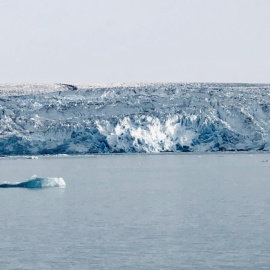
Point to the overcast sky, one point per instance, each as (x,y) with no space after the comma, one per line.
(109,41)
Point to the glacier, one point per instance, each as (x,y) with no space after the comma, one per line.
(50,119)
(37,183)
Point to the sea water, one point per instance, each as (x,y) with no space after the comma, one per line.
(165,211)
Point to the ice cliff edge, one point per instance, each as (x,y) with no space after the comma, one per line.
(68,119)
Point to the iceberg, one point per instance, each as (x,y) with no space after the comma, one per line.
(36,183)
(42,119)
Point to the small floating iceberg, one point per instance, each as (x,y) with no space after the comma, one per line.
(37,182)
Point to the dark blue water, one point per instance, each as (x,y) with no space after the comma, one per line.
(138,212)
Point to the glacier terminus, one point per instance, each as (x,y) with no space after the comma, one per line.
(40,119)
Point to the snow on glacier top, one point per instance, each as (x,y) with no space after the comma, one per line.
(7,89)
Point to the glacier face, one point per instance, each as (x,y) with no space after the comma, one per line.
(197,117)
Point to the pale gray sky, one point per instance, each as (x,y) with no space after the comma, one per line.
(109,41)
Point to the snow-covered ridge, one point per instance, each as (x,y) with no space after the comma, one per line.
(69,119)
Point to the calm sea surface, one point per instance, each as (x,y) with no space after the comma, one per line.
(138,212)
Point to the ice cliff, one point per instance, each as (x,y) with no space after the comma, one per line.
(68,119)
